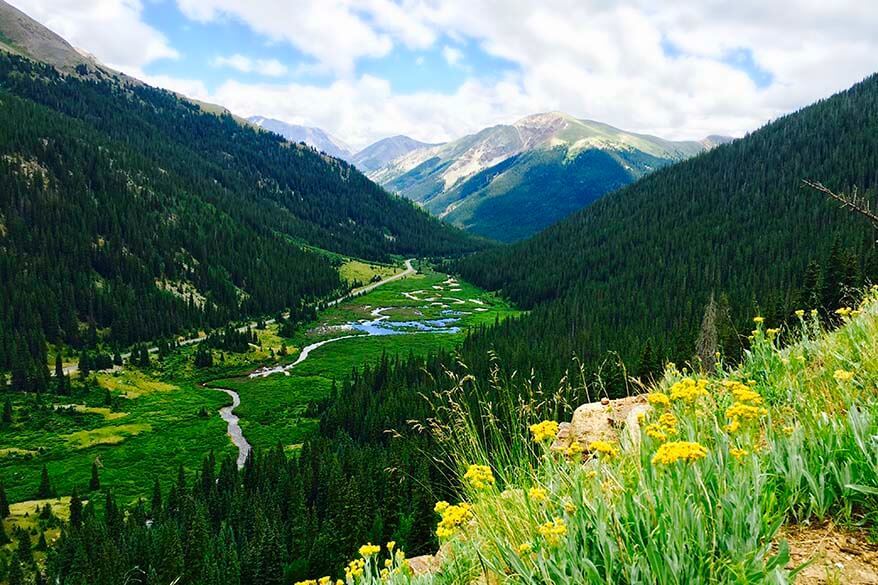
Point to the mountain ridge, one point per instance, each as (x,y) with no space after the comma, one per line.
(493,182)
(310,135)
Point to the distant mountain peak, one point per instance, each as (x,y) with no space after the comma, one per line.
(379,153)
(310,135)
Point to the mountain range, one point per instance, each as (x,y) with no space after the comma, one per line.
(509,181)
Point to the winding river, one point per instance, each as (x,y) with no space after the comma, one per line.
(380,324)
(235,433)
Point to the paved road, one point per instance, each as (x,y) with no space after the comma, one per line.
(409,270)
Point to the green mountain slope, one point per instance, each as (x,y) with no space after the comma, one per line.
(128,212)
(642,262)
(509,181)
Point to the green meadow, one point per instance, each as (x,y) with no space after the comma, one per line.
(141,424)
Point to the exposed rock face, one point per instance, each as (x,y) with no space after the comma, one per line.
(615,421)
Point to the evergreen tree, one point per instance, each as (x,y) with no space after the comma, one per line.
(4,503)
(16,573)
(7,411)
(4,538)
(45,490)
(95,483)
(75,510)
(23,551)
(84,365)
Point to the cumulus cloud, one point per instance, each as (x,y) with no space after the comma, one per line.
(595,59)
(266,67)
(112,30)
(672,69)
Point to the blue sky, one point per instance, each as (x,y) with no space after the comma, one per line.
(438,69)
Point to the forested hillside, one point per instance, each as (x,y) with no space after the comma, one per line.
(127,213)
(633,272)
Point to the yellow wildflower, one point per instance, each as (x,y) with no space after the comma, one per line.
(658,398)
(740,410)
(544,431)
(772,331)
(742,392)
(843,375)
(324,580)
(689,390)
(669,453)
(738,453)
(733,426)
(813,312)
(538,494)
(479,476)
(843,312)
(569,507)
(391,545)
(656,431)
(574,449)
(553,531)
(668,420)
(603,448)
(524,548)
(369,549)
(453,517)
(441,506)
(758,320)
(800,313)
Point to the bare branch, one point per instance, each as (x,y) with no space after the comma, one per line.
(852,202)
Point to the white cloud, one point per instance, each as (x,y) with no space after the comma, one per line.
(112,30)
(266,67)
(452,55)
(591,58)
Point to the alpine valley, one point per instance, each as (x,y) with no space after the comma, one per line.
(237,351)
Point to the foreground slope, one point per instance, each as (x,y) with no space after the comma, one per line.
(509,181)
(643,262)
(708,479)
(127,213)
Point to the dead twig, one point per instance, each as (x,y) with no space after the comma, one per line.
(853,202)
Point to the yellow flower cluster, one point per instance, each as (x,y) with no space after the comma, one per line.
(844,312)
(355,569)
(553,531)
(742,392)
(479,476)
(538,494)
(453,517)
(369,549)
(672,452)
(843,375)
(544,431)
(321,581)
(658,399)
(524,548)
(603,448)
(665,427)
(689,390)
(574,449)
(744,411)
(738,453)
(759,320)
(800,313)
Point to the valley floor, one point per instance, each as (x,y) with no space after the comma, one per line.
(141,425)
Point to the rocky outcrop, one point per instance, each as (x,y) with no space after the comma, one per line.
(614,421)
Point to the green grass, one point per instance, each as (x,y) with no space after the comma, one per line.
(156,423)
(274,410)
(153,431)
(357,271)
(789,437)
